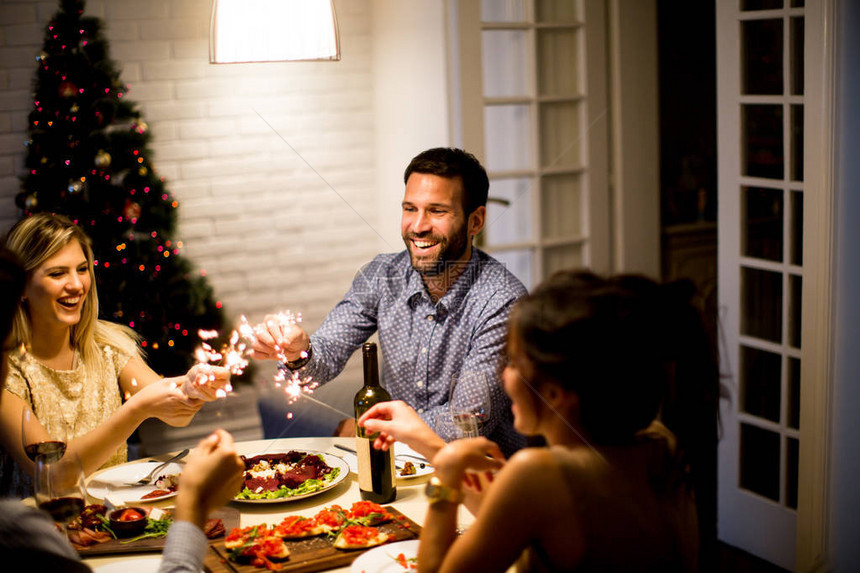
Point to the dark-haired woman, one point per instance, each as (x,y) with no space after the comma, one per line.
(593,363)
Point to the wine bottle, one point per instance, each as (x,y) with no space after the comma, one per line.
(375,467)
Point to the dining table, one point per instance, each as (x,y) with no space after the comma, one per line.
(410,499)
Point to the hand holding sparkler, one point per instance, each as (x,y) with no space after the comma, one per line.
(279,337)
(245,343)
(207,382)
(210,377)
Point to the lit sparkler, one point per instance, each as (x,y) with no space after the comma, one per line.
(235,355)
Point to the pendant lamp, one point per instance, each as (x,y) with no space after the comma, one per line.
(245,31)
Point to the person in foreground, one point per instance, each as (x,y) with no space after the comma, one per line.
(29,540)
(440,307)
(592,363)
(83,379)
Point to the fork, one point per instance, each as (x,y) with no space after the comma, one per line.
(145,480)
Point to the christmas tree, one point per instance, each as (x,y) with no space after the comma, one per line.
(87,158)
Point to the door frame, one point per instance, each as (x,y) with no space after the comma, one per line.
(819,224)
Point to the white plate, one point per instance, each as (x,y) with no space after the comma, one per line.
(419,471)
(149,564)
(330,459)
(111,482)
(402,454)
(382,559)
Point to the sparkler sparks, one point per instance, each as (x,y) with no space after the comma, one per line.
(235,355)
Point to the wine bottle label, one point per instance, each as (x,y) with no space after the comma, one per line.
(363,449)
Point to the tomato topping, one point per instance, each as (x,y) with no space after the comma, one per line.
(130,515)
(359,534)
(295,525)
(331,516)
(363,508)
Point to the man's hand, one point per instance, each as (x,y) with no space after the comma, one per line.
(275,340)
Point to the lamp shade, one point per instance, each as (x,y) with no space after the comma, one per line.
(273,31)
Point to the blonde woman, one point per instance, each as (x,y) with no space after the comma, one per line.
(83,378)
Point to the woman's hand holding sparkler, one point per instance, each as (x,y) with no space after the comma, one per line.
(206,382)
(163,399)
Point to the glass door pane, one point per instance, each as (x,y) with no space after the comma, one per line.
(507,137)
(505,64)
(511,222)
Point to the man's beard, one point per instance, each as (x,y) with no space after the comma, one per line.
(449,251)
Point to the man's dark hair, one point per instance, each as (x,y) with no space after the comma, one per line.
(450,162)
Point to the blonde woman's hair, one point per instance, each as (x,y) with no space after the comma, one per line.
(39,237)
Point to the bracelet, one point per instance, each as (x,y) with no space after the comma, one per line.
(436,491)
(300,363)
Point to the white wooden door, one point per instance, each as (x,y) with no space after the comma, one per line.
(533,106)
(766,195)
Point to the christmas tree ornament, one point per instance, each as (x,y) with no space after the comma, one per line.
(142,171)
(42,56)
(75,186)
(74,108)
(132,210)
(102,159)
(30,202)
(140,127)
(67,89)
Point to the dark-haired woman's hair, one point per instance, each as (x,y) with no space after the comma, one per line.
(12,281)
(633,351)
(451,162)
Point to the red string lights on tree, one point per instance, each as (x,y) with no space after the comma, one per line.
(87,157)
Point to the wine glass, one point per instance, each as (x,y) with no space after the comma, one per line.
(36,440)
(470,403)
(59,486)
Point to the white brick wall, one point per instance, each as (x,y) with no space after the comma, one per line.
(233,142)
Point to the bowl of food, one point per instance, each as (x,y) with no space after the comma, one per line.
(127,521)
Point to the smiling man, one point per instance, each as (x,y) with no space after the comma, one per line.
(440,307)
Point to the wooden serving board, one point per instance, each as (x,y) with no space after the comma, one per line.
(229,515)
(312,553)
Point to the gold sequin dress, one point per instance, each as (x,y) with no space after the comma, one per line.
(66,402)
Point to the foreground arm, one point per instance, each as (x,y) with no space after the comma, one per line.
(211,478)
(396,421)
(148,396)
(347,326)
(96,446)
(201,382)
(511,517)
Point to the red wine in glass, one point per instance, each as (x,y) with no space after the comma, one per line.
(53,450)
(59,487)
(63,509)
